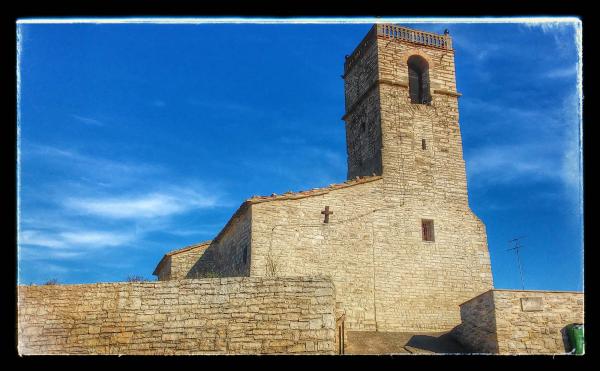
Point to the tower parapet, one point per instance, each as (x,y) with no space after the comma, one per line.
(391,31)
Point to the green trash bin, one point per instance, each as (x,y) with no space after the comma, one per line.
(575,332)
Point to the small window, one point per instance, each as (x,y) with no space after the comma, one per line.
(427,230)
(245,256)
(363,126)
(423,144)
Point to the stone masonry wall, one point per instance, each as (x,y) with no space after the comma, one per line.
(289,238)
(182,263)
(164,274)
(437,172)
(477,332)
(387,278)
(213,316)
(533,322)
(417,285)
(229,253)
(420,284)
(519,322)
(363,138)
(363,128)
(434,278)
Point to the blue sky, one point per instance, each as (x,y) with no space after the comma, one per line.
(136,139)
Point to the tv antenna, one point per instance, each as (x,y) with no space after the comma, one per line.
(517,247)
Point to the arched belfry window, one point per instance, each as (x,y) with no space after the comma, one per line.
(418,80)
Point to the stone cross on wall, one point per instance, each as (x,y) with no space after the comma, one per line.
(326,212)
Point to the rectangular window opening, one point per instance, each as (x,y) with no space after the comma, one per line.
(427,230)
(423,144)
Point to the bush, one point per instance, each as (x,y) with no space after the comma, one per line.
(53,281)
(131,278)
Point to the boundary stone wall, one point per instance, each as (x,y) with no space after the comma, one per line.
(242,315)
(522,322)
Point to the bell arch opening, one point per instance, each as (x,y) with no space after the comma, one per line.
(418,80)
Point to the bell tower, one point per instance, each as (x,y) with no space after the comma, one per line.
(402,124)
(402,113)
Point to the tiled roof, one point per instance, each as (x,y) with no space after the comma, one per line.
(188,248)
(314,191)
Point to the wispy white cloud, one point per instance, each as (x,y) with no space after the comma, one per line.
(88,120)
(73,239)
(95,168)
(28,253)
(54,268)
(503,164)
(96,163)
(551,121)
(116,265)
(95,238)
(562,34)
(532,166)
(160,204)
(548,151)
(571,170)
(479,51)
(104,203)
(202,230)
(563,72)
(554,27)
(524,164)
(36,238)
(300,166)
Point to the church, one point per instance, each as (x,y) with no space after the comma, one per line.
(393,251)
(398,238)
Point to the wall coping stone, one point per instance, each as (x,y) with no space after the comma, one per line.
(523,291)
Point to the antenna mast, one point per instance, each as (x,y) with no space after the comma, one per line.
(516,249)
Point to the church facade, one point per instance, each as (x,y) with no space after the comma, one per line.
(398,238)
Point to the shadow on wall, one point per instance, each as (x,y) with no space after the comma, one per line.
(206,266)
(220,261)
(565,338)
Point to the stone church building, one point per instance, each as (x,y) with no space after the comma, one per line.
(398,238)
(398,241)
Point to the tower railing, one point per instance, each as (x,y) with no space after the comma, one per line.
(414,36)
(390,31)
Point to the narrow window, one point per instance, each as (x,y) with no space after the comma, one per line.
(427,230)
(363,126)
(418,80)
(423,144)
(245,256)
